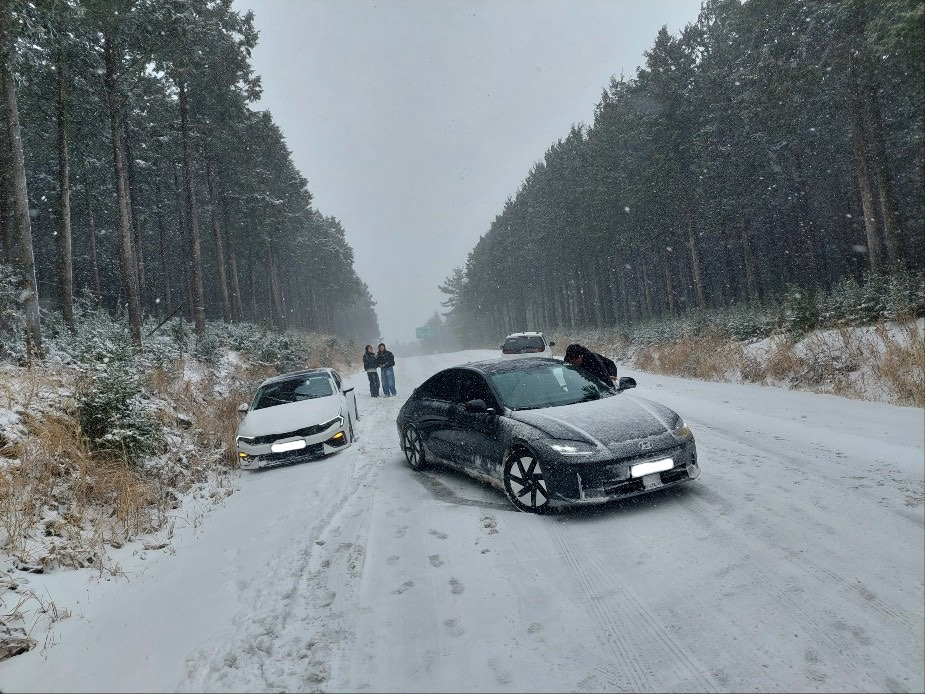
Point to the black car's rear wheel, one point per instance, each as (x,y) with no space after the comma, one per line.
(414,448)
(524,483)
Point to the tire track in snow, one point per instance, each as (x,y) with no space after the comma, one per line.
(806,621)
(296,627)
(619,611)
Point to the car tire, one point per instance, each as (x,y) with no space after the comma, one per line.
(413,446)
(524,484)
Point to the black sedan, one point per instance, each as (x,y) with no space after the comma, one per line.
(546,433)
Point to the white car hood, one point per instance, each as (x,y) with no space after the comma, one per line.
(281,419)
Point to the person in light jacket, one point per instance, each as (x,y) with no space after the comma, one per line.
(386,361)
(370,365)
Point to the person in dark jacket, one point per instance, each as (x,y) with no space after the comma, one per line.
(386,361)
(371,365)
(596,364)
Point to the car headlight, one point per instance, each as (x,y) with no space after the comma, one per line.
(249,440)
(572,447)
(337,421)
(681,430)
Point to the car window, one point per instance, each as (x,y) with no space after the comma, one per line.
(524,345)
(442,386)
(293,390)
(472,386)
(336,377)
(547,386)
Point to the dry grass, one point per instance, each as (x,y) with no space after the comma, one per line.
(707,357)
(903,365)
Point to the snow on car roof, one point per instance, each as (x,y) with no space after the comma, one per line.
(493,366)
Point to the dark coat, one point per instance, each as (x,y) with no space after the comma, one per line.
(385,359)
(370,361)
(598,366)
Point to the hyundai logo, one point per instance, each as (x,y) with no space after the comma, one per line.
(645,445)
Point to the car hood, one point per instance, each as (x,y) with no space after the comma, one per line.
(608,422)
(294,415)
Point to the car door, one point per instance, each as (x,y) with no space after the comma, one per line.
(436,398)
(476,437)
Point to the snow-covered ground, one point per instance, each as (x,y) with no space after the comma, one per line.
(794,563)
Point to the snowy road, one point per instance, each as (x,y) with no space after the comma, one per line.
(795,563)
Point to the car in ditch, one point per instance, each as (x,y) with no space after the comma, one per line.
(296,416)
(545,433)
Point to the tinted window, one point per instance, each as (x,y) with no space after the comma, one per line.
(294,390)
(442,386)
(472,386)
(547,386)
(524,345)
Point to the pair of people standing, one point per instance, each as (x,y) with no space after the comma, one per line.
(384,360)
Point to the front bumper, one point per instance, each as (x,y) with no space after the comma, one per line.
(573,484)
(316,446)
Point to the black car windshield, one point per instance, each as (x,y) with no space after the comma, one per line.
(523,345)
(294,390)
(547,386)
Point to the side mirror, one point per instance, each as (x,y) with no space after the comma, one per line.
(477,407)
(626,382)
(500,346)
(552,344)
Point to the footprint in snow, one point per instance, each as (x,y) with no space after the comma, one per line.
(393,560)
(439,535)
(456,588)
(400,530)
(403,587)
(453,629)
(435,560)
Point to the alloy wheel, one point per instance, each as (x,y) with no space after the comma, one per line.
(524,483)
(414,449)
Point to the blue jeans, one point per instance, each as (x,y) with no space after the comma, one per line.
(388,380)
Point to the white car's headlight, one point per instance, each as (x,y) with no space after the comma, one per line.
(681,430)
(249,440)
(337,421)
(572,447)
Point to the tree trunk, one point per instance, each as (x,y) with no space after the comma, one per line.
(129,276)
(94,261)
(65,262)
(696,270)
(30,295)
(184,232)
(6,191)
(669,288)
(237,313)
(162,247)
(219,247)
(132,191)
(646,285)
(748,259)
(862,162)
(276,303)
(891,231)
(198,300)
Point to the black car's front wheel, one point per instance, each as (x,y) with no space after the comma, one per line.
(524,483)
(414,448)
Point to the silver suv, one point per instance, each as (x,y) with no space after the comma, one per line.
(529,344)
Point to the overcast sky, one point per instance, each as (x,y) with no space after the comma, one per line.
(414,121)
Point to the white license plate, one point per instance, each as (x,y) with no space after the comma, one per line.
(644,469)
(288,446)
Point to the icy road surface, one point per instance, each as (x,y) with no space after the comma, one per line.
(795,563)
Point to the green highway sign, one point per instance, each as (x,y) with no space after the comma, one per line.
(425,332)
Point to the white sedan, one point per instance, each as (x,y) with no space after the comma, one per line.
(296,416)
